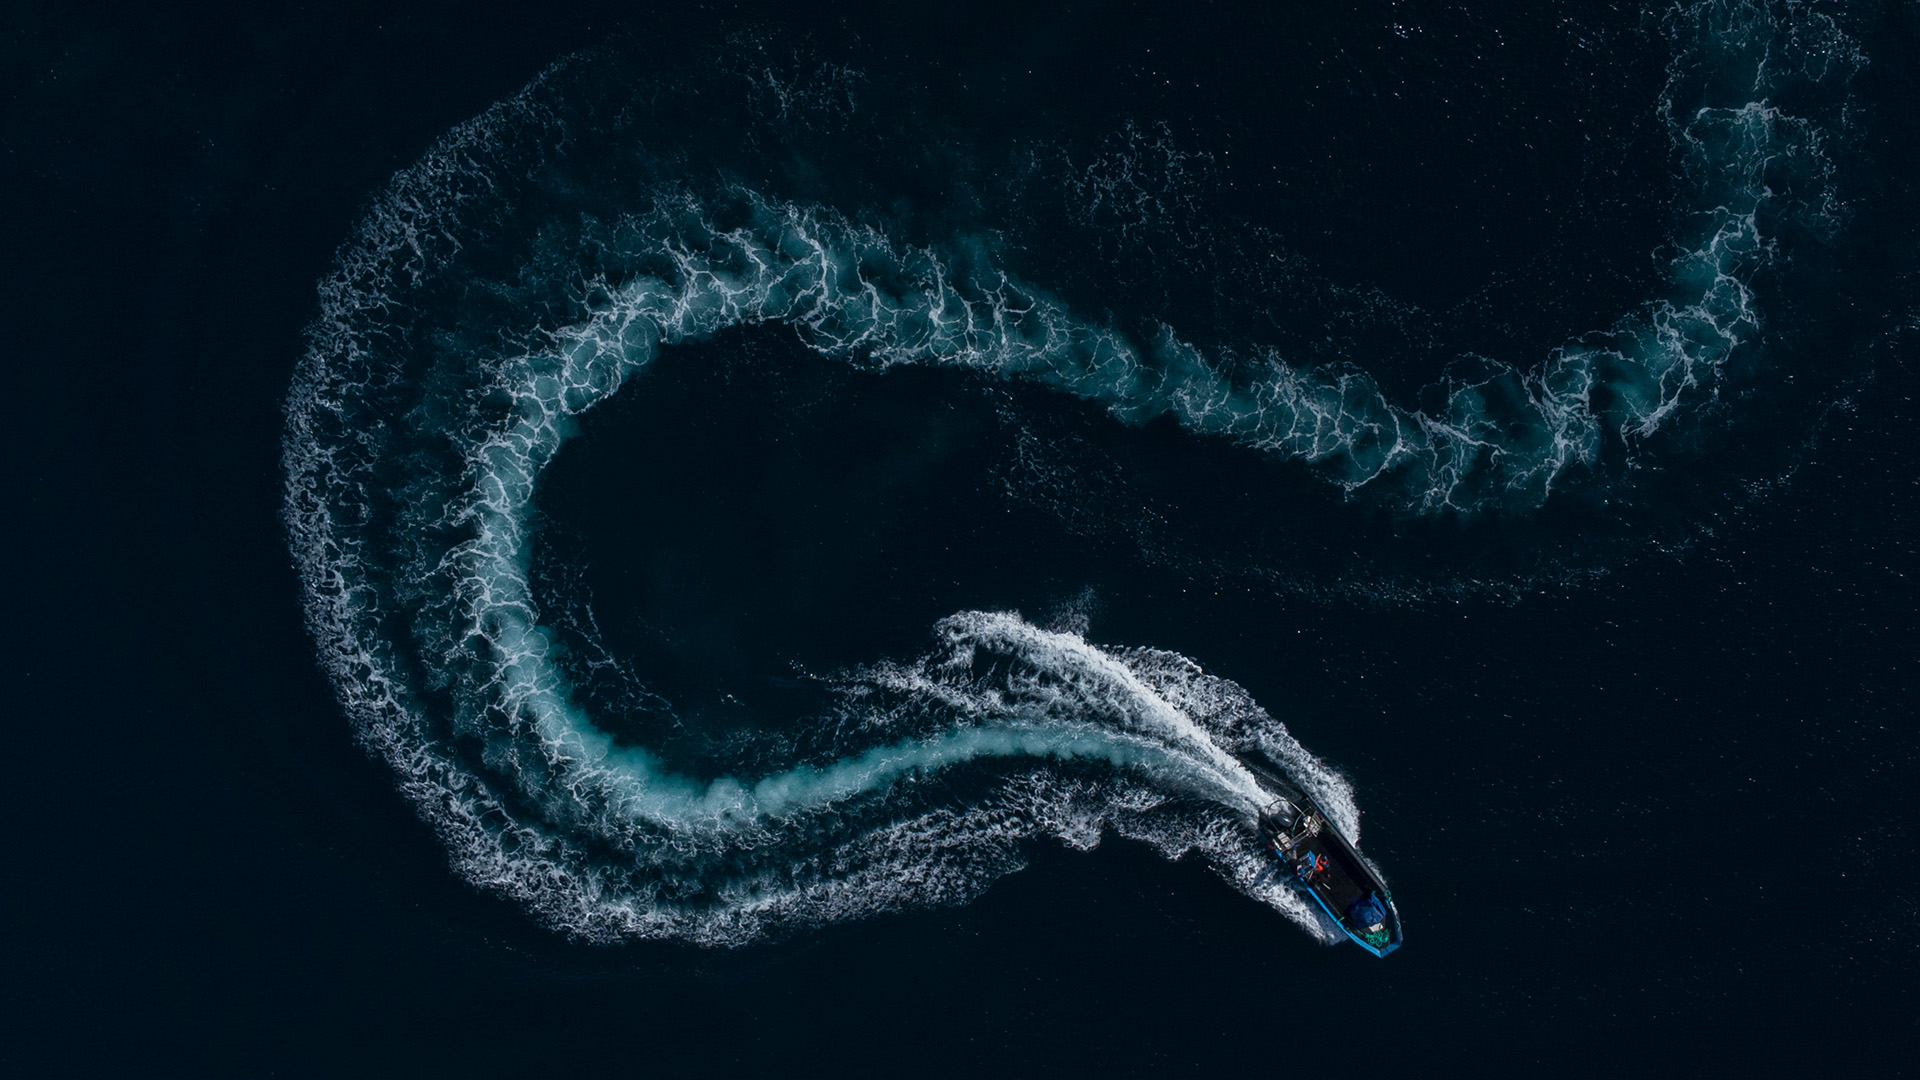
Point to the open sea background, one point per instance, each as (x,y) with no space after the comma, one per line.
(1636,758)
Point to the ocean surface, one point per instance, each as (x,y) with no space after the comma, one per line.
(746,538)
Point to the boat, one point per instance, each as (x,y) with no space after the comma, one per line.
(1317,860)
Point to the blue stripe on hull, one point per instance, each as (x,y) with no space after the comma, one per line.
(1355,938)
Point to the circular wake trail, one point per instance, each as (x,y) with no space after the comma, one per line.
(438,387)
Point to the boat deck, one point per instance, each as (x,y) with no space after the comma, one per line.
(1343,881)
(1295,827)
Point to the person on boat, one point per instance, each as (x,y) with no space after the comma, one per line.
(1311,865)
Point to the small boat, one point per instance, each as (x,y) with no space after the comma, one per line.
(1320,862)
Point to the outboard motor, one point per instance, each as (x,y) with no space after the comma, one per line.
(1279,818)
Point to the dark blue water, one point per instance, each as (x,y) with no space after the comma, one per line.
(649,540)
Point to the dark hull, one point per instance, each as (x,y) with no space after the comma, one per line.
(1319,861)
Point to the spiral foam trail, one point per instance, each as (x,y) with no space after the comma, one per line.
(437,388)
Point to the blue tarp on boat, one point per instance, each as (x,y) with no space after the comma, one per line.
(1367,911)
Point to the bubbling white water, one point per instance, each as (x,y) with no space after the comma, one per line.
(1054,697)
(413,453)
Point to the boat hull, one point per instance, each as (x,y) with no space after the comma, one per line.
(1319,861)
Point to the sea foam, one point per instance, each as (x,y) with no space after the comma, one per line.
(432,397)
